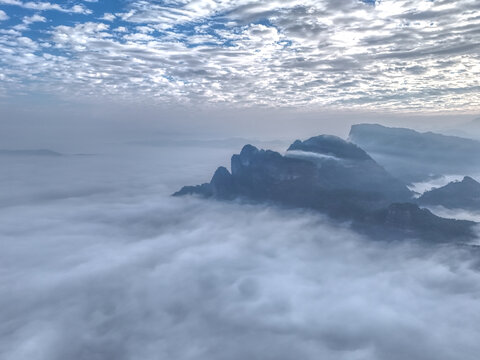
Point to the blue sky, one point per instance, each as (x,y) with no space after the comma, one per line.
(395,55)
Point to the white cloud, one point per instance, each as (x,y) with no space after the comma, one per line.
(109,267)
(3,16)
(396,56)
(27,20)
(108,17)
(121,29)
(34,18)
(45,6)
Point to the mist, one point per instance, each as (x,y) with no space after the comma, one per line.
(90,127)
(98,261)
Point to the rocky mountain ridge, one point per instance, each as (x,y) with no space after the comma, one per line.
(336,177)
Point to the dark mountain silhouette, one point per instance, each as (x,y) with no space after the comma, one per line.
(463,194)
(333,176)
(39,152)
(343,165)
(414,156)
(332,146)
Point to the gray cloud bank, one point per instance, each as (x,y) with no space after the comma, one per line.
(108,266)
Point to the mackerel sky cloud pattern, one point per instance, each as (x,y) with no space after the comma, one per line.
(393,55)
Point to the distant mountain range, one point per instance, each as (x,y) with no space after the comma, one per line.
(340,179)
(37,152)
(413,156)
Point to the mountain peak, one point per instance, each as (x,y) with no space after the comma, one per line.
(463,194)
(248,150)
(332,146)
(470,180)
(356,188)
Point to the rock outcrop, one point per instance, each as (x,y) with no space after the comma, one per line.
(336,177)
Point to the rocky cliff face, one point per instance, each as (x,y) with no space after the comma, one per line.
(333,175)
(342,165)
(328,174)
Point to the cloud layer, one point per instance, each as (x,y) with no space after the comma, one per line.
(393,55)
(108,266)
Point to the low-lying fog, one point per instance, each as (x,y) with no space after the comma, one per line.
(97,262)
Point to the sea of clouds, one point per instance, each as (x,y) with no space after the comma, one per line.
(98,262)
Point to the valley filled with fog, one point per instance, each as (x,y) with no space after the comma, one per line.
(98,261)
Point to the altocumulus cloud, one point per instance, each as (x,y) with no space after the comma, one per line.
(123,271)
(3,15)
(391,54)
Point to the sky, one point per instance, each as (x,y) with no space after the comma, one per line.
(391,55)
(140,98)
